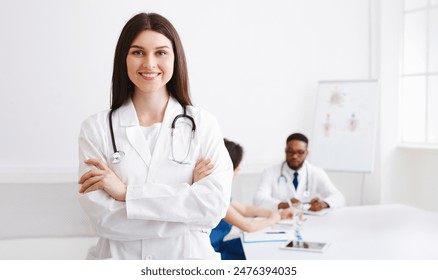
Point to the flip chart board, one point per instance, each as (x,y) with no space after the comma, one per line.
(345,126)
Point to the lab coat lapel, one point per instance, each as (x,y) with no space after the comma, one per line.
(128,119)
(138,141)
(162,147)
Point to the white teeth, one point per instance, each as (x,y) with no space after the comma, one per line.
(149,75)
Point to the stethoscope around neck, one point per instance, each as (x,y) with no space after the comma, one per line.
(306,192)
(118,156)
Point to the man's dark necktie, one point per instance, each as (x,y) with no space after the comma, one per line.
(295,181)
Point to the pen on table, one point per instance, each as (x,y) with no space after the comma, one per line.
(275,232)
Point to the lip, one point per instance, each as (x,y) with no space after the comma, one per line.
(149,75)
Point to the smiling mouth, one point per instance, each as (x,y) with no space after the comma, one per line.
(149,75)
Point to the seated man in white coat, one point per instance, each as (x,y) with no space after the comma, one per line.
(297,180)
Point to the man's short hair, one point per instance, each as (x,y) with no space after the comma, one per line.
(297,136)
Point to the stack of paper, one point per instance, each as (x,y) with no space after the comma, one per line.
(274,234)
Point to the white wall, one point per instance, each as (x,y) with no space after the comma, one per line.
(254,64)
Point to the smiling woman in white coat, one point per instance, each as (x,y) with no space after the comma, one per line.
(137,160)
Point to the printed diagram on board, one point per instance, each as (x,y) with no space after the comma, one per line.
(352,123)
(345,125)
(337,97)
(339,116)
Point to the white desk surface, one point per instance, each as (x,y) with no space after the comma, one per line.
(374,232)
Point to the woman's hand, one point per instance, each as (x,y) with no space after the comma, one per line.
(286,213)
(203,168)
(102,178)
(275,215)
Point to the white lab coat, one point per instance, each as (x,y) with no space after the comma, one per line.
(272,190)
(165,216)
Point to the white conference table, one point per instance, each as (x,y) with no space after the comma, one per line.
(374,232)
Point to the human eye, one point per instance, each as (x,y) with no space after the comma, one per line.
(137,52)
(161,53)
(292,152)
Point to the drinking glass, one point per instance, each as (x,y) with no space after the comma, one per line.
(298,211)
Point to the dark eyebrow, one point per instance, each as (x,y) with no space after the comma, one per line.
(135,46)
(140,47)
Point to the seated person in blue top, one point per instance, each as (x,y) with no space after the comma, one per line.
(237,214)
(296,180)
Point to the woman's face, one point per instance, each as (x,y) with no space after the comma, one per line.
(150,62)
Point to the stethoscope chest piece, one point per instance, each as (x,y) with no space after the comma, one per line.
(117,157)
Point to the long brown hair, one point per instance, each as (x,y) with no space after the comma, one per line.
(122,87)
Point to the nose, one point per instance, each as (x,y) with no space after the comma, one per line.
(149,63)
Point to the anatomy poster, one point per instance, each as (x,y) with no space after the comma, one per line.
(345,125)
